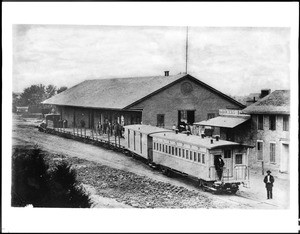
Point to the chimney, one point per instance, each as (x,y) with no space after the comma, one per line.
(166,73)
(265,92)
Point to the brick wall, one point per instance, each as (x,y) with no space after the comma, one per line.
(172,99)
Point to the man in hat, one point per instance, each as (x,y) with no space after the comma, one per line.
(269,180)
(219,164)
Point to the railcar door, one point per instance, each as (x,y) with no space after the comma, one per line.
(228,161)
(150,149)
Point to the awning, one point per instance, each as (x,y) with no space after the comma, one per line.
(223,121)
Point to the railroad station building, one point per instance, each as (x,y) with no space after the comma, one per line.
(157,100)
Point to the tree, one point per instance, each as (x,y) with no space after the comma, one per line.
(61,89)
(33,95)
(50,91)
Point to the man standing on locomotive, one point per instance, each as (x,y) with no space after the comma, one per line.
(219,164)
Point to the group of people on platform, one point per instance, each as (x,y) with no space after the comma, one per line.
(183,127)
(114,129)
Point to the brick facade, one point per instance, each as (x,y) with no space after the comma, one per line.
(167,102)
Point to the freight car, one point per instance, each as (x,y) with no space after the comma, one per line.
(190,155)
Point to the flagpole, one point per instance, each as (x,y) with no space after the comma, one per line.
(186,50)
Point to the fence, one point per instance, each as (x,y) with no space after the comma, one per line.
(88,136)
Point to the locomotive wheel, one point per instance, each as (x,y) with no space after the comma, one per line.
(200,184)
(166,171)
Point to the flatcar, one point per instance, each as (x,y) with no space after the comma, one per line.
(190,155)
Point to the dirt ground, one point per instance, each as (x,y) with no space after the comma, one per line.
(117,181)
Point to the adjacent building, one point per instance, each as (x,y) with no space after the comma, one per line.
(161,101)
(270,132)
(263,125)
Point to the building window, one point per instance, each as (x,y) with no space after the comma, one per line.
(259,148)
(272,121)
(260,122)
(160,120)
(238,159)
(203,158)
(285,123)
(272,152)
(210,115)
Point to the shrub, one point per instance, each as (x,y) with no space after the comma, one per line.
(33,182)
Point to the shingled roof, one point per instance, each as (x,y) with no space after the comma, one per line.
(119,93)
(277,102)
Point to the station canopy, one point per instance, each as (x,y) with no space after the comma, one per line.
(224,121)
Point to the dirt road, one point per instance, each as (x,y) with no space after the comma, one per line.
(121,181)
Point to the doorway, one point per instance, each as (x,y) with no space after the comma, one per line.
(228,163)
(186,116)
(284,161)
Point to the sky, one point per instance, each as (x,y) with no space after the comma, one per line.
(234,60)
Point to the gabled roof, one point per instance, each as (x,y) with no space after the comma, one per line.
(277,102)
(120,93)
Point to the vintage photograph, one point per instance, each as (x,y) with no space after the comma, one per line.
(151,117)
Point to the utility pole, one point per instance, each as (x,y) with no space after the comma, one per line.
(186,49)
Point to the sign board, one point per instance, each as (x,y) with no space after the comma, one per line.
(231,112)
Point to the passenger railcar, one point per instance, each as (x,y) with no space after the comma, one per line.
(191,155)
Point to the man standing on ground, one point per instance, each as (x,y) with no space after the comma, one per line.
(269,180)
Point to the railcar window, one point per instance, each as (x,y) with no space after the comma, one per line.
(128,138)
(141,142)
(186,154)
(166,149)
(203,158)
(199,158)
(154,145)
(169,149)
(172,150)
(195,158)
(159,147)
(175,151)
(191,155)
(179,152)
(183,153)
(134,140)
(238,159)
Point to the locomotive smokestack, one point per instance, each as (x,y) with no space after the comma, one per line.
(166,73)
